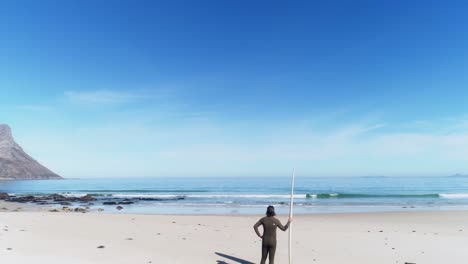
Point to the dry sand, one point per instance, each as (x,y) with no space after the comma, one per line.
(365,238)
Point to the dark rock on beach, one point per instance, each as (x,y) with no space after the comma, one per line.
(42,203)
(126,202)
(4,196)
(161,199)
(87,198)
(22,199)
(80,210)
(56,197)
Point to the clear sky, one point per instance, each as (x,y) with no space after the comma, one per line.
(237,88)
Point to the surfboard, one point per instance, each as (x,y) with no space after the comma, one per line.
(291,205)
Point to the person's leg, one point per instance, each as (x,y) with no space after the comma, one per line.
(264,254)
(272,251)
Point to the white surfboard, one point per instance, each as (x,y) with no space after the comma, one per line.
(291,204)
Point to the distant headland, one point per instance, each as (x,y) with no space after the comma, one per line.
(15,164)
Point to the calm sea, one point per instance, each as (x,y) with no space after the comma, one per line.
(249,195)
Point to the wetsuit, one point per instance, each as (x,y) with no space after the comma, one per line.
(270,223)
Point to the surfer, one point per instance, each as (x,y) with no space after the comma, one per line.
(269,223)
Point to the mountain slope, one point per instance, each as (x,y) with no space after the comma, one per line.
(15,164)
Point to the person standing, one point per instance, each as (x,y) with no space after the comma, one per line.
(269,223)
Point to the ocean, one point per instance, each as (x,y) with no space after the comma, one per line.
(251,195)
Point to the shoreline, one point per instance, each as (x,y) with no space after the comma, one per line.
(202,210)
(12,207)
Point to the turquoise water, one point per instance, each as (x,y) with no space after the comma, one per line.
(249,195)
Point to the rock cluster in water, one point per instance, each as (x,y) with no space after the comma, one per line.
(48,199)
(83,201)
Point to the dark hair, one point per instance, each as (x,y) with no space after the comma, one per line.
(270,211)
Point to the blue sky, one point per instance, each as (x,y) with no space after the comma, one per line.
(237,88)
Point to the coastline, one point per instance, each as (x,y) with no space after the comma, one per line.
(135,208)
(413,237)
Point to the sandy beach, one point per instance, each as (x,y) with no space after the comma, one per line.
(411,237)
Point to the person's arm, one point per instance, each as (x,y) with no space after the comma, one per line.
(256,228)
(280,226)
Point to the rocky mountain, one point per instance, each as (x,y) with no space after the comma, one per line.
(15,164)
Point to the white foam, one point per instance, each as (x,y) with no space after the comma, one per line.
(156,196)
(73,194)
(454,195)
(206,196)
(314,196)
(246,196)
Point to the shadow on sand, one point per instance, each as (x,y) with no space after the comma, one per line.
(238,260)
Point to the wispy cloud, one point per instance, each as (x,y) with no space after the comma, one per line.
(214,145)
(106,97)
(36,108)
(351,150)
